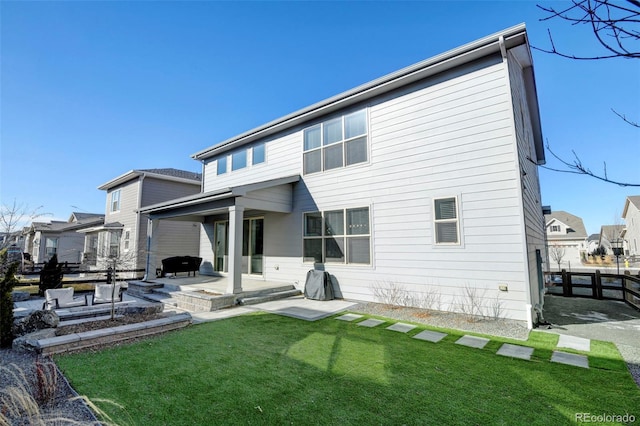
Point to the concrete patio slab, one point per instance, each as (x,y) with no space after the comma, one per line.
(472,341)
(430,336)
(371,322)
(401,327)
(349,317)
(573,342)
(200,317)
(570,359)
(515,351)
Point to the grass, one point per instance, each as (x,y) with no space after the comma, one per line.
(268,369)
(77,287)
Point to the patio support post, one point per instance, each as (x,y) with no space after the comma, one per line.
(236,215)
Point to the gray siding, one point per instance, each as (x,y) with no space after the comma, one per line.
(127,216)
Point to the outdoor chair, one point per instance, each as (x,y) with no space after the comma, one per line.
(60,298)
(103,292)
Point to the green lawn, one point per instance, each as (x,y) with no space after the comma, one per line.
(269,369)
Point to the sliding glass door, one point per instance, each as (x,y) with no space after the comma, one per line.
(252,246)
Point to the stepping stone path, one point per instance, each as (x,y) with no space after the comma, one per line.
(570,359)
(430,336)
(349,317)
(507,349)
(370,322)
(401,327)
(572,342)
(472,341)
(515,351)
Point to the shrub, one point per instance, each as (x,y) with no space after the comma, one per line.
(7,281)
(50,276)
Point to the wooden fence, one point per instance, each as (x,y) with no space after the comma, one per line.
(73,273)
(595,285)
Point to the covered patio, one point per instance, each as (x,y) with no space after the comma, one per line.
(216,284)
(232,236)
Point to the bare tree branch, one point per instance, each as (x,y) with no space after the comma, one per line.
(14,216)
(626,120)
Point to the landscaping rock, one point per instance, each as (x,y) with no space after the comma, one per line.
(20,296)
(29,342)
(140,309)
(35,321)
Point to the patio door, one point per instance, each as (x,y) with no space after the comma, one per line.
(252,246)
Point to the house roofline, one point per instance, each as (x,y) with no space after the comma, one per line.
(508,38)
(134,174)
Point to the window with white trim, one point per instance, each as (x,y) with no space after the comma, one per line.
(258,154)
(337,236)
(115,200)
(555,228)
(239,160)
(127,237)
(335,143)
(221,167)
(114,244)
(50,247)
(446,221)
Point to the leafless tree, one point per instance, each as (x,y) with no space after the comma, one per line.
(615,26)
(557,253)
(14,216)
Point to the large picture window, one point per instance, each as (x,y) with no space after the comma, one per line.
(337,236)
(446,221)
(335,143)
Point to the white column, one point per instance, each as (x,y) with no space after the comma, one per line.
(147,273)
(236,214)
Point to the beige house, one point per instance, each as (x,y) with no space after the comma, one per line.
(631,232)
(566,239)
(123,236)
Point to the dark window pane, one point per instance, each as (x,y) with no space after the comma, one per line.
(358,249)
(313,224)
(312,250)
(356,151)
(445,208)
(333,157)
(447,232)
(334,249)
(312,162)
(334,223)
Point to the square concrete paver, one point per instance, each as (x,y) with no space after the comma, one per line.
(570,359)
(472,341)
(401,327)
(430,336)
(349,317)
(370,322)
(573,342)
(515,351)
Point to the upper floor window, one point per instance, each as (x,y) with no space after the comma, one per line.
(222,165)
(335,143)
(115,200)
(446,221)
(239,160)
(555,228)
(258,154)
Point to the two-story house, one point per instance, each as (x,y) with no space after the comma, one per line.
(44,239)
(631,231)
(566,239)
(123,236)
(425,179)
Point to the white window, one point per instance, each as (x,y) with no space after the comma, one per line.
(127,236)
(222,165)
(555,228)
(337,236)
(115,200)
(446,221)
(50,247)
(239,160)
(335,143)
(258,154)
(114,244)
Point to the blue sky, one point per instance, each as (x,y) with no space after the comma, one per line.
(91,90)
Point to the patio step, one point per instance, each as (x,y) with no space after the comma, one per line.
(268,297)
(164,297)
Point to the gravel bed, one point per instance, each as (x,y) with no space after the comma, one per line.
(18,371)
(501,327)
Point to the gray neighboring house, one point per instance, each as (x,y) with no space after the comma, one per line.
(567,234)
(44,239)
(631,232)
(611,236)
(424,180)
(124,233)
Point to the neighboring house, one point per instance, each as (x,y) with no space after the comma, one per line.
(631,232)
(12,238)
(611,238)
(123,236)
(424,180)
(593,242)
(44,239)
(566,239)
